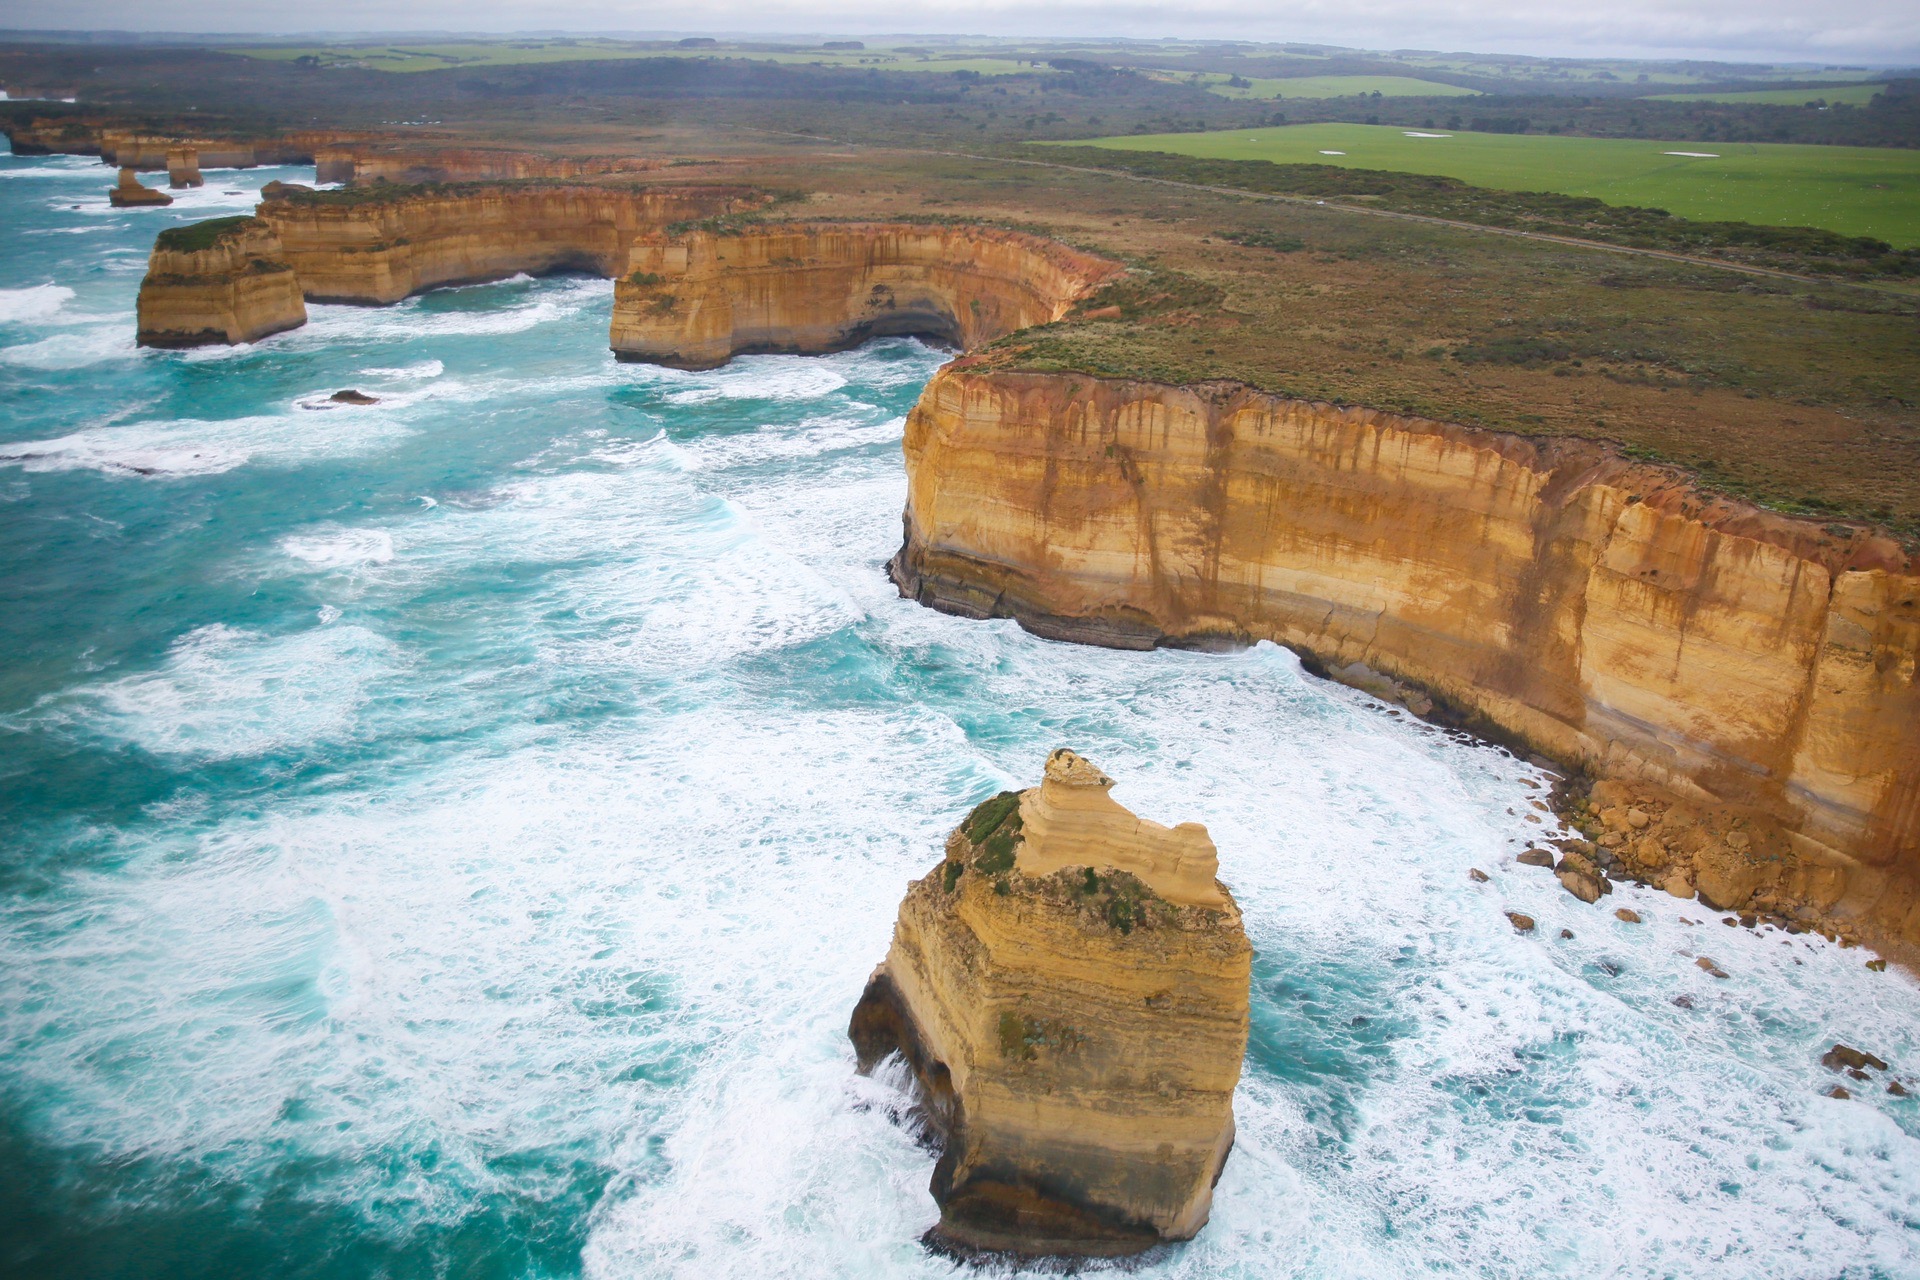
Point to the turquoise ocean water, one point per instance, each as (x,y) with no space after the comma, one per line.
(446,839)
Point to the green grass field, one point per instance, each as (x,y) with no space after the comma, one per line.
(1870,191)
(1857,95)
(439,57)
(1337,87)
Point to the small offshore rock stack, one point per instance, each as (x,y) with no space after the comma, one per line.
(1069,987)
(129,194)
(183,168)
(225,280)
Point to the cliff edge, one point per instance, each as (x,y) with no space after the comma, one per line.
(1070,990)
(1757,671)
(224,280)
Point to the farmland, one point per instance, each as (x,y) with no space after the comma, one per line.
(1866,191)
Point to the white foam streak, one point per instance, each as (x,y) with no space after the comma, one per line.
(193,447)
(40,302)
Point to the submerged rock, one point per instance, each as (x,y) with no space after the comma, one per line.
(1069,987)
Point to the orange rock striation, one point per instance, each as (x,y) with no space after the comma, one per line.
(698,300)
(386,246)
(1069,988)
(364,163)
(381,247)
(218,282)
(1757,671)
(147,151)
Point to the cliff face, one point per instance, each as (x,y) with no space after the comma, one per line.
(360,164)
(147,151)
(698,300)
(381,250)
(183,167)
(1747,665)
(225,282)
(1069,988)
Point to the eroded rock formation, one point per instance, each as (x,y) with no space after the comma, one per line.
(220,281)
(128,193)
(380,246)
(698,300)
(1069,987)
(363,163)
(183,167)
(1753,668)
(147,151)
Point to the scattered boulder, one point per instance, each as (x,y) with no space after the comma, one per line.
(1521,923)
(1897,1089)
(353,397)
(1685,1002)
(1477,875)
(1567,934)
(1840,1092)
(1626,915)
(1581,878)
(1877,965)
(1069,988)
(1535,858)
(1705,963)
(1842,1057)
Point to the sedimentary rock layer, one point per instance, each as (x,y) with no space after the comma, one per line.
(1604,612)
(698,300)
(384,247)
(1075,1021)
(220,282)
(128,193)
(363,163)
(147,151)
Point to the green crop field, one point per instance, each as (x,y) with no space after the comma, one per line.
(1867,191)
(1857,95)
(1335,87)
(440,57)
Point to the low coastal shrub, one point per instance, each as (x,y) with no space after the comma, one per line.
(196,236)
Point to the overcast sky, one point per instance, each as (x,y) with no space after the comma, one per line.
(1879,32)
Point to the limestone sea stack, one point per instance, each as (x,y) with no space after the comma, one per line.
(224,280)
(183,168)
(128,193)
(1069,987)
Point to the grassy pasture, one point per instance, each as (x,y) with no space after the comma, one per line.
(1865,191)
(1856,95)
(1336,87)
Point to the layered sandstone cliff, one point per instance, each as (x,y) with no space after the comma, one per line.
(221,281)
(364,163)
(1070,990)
(147,150)
(698,300)
(183,167)
(382,247)
(1745,664)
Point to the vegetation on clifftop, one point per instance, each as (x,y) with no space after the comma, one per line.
(197,236)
